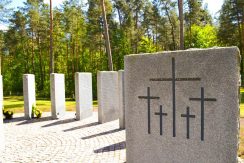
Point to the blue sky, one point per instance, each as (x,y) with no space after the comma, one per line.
(213,5)
(17,3)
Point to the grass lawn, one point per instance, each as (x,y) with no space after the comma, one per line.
(16,104)
(242,110)
(242,103)
(241,145)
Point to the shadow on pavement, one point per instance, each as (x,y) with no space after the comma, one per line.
(113,147)
(34,120)
(60,122)
(83,126)
(17,119)
(103,133)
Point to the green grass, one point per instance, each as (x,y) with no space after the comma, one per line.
(242,90)
(242,103)
(242,110)
(16,104)
(241,145)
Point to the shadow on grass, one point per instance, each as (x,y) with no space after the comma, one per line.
(17,119)
(103,133)
(12,106)
(42,104)
(242,97)
(83,126)
(14,98)
(113,147)
(60,122)
(34,120)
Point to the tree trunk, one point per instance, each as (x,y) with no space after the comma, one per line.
(106,35)
(180,7)
(51,40)
(67,60)
(40,63)
(172,27)
(137,33)
(240,21)
(242,46)
(32,52)
(156,37)
(100,52)
(73,55)
(1,64)
(120,18)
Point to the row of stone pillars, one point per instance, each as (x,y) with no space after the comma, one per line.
(110,90)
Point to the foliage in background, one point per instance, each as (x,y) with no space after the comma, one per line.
(231,27)
(142,26)
(202,37)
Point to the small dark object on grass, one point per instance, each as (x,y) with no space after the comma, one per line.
(36,112)
(8,114)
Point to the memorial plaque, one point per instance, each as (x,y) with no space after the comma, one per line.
(57,95)
(182,106)
(29,94)
(108,100)
(83,95)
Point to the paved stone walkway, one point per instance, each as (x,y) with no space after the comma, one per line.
(64,140)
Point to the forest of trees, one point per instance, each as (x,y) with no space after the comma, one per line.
(135,26)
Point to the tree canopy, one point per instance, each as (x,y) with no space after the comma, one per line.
(134,26)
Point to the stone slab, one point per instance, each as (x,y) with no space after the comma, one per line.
(83,95)
(57,95)
(107,91)
(121,99)
(2,139)
(29,94)
(201,82)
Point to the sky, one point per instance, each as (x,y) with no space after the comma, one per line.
(213,6)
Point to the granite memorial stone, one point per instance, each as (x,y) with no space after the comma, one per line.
(121,100)
(29,94)
(182,106)
(108,100)
(83,95)
(57,95)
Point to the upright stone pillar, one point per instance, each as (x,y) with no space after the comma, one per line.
(121,100)
(29,93)
(108,101)
(83,95)
(57,95)
(2,142)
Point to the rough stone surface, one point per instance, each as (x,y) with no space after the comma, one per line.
(57,95)
(121,100)
(63,141)
(108,101)
(218,70)
(29,94)
(83,95)
(2,140)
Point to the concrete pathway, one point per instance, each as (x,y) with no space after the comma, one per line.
(65,140)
